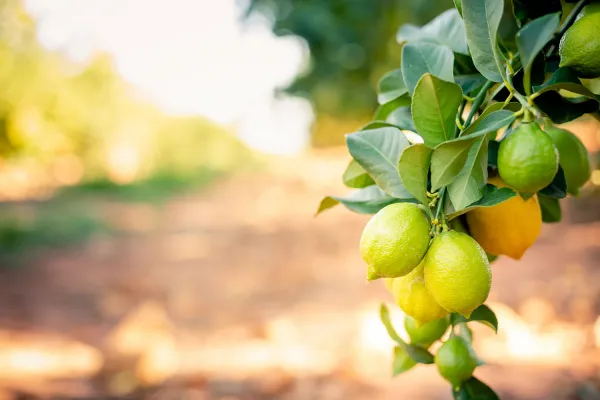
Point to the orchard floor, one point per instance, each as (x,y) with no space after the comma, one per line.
(238,293)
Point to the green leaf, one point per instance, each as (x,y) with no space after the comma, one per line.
(532,38)
(493,148)
(458,5)
(402,118)
(356,177)
(449,158)
(482,19)
(551,211)
(384,315)
(419,354)
(558,108)
(402,361)
(446,162)
(491,197)
(468,187)
(378,152)
(530,9)
(446,29)
(414,167)
(422,58)
(470,84)
(434,106)
(384,110)
(482,314)
(377,124)
(368,200)
(391,86)
(474,389)
(558,187)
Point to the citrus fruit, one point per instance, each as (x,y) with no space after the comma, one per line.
(427,333)
(457,272)
(508,228)
(412,297)
(580,45)
(574,158)
(455,361)
(388,283)
(527,158)
(394,240)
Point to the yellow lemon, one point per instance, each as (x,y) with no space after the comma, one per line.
(412,297)
(394,241)
(508,228)
(457,272)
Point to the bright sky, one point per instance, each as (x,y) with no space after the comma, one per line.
(190,57)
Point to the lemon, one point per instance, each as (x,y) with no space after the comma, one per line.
(574,158)
(457,272)
(395,240)
(455,361)
(527,158)
(412,297)
(425,334)
(508,228)
(580,45)
(388,283)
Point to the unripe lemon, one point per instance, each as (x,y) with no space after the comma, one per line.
(425,334)
(455,361)
(412,297)
(508,228)
(395,240)
(457,272)
(527,158)
(574,157)
(580,45)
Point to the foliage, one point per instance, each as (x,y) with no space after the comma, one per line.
(438,136)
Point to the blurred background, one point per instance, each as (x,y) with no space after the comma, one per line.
(160,166)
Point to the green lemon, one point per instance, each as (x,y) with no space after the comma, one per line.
(574,158)
(412,297)
(580,45)
(455,361)
(527,159)
(395,240)
(425,334)
(457,272)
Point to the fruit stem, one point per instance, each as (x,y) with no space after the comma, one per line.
(566,25)
(477,103)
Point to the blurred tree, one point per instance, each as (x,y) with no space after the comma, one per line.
(352,43)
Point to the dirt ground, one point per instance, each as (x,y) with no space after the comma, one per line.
(238,293)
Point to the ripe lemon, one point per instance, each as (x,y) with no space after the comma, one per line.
(527,158)
(395,240)
(457,272)
(580,45)
(508,228)
(427,333)
(455,361)
(388,283)
(412,297)
(574,157)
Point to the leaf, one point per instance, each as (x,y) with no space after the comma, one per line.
(560,109)
(558,187)
(402,118)
(417,353)
(482,19)
(449,158)
(551,211)
(493,147)
(468,187)
(377,124)
(384,110)
(470,84)
(391,86)
(414,168)
(532,38)
(421,58)
(446,29)
(482,314)
(368,200)
(474,389)
(458,5)
(356,177)
(491,197)
(402,361)
(434,106)
(530,9)
(378,152)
